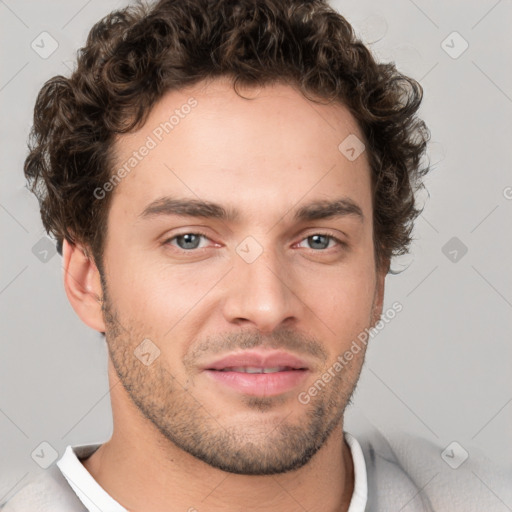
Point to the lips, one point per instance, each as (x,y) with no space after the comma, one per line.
(258,362)
(258,373)
(254,369)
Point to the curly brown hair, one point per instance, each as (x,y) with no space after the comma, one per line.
(135,55)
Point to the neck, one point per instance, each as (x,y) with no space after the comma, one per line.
(145,478)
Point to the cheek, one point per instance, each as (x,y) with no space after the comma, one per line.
(154,296)
(342,299)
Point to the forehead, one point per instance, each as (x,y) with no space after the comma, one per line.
(277,148)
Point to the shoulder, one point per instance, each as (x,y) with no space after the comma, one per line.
(419,474)
(48,491)
(390,485)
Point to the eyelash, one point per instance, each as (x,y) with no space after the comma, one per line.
(200,233)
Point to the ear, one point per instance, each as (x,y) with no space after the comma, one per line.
(83,285)
(378,300)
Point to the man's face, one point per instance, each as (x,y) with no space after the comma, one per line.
(263,283)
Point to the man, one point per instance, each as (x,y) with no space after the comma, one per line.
(227,183)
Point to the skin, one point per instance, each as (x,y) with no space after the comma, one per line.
(178,437)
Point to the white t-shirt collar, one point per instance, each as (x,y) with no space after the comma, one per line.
(91,494)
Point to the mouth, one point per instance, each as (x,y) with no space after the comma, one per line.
(258,373)
(254,369)
(253,361)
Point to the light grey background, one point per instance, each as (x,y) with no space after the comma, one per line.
(440,370)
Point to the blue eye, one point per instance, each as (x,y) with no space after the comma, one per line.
(187,241)
(322,240)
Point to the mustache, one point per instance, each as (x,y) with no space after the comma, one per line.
(285,339)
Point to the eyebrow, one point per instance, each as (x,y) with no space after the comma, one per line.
(316,210)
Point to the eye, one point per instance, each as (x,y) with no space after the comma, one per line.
(186,241)
(321,241)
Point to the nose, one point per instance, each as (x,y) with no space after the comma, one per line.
(261,294)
